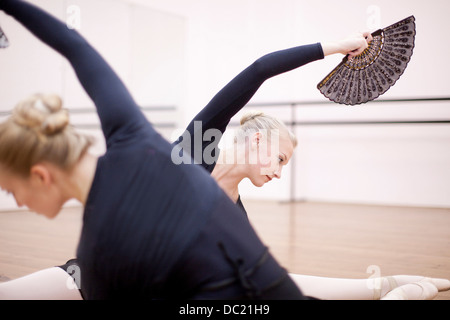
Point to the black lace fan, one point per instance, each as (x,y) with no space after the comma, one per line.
(3,40)
(373,72)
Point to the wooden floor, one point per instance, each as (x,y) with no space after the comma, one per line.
(333,240)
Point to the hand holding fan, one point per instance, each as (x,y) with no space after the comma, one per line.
(373,72)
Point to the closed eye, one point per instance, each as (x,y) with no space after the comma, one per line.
(281,158)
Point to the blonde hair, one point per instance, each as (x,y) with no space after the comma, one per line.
(255,121)
(38,131)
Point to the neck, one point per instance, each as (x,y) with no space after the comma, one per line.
(228,176)
(81,177)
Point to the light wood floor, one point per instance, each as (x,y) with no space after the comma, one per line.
(332,240)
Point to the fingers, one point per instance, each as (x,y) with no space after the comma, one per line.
(358,51)
(367,35)
(353,45)
(363,39)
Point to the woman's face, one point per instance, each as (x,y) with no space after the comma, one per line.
(268,157)
(35,192)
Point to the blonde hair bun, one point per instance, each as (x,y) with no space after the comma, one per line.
(42,113)
(38,131)
(254,121)
(250,116)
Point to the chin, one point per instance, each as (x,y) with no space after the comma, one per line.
(52,216)
(49,213)
(258,183)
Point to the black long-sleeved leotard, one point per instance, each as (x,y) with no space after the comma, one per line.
(152,228)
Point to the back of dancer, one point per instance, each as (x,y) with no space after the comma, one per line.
(151,228)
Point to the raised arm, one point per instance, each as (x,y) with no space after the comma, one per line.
(236,94)
(116,108)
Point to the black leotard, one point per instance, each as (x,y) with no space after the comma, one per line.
(151,228)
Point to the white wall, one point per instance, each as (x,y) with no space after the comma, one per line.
(215,40)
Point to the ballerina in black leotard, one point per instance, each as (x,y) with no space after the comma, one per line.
(185,240)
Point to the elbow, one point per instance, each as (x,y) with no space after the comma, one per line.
(258,67)
(262,67)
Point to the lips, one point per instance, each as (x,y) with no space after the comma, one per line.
(269,178)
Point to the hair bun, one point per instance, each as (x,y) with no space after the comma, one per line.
(260,122)
(43,113)
(52,101)
(250,116)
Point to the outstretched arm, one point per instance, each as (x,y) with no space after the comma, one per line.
(115,106)
(238,92)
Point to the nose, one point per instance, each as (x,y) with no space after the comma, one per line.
(277,173)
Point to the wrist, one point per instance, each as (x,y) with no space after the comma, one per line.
(330,48)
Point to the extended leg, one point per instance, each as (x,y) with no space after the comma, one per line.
(48,284)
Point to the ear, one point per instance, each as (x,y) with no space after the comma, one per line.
(256,139)
(40,174)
